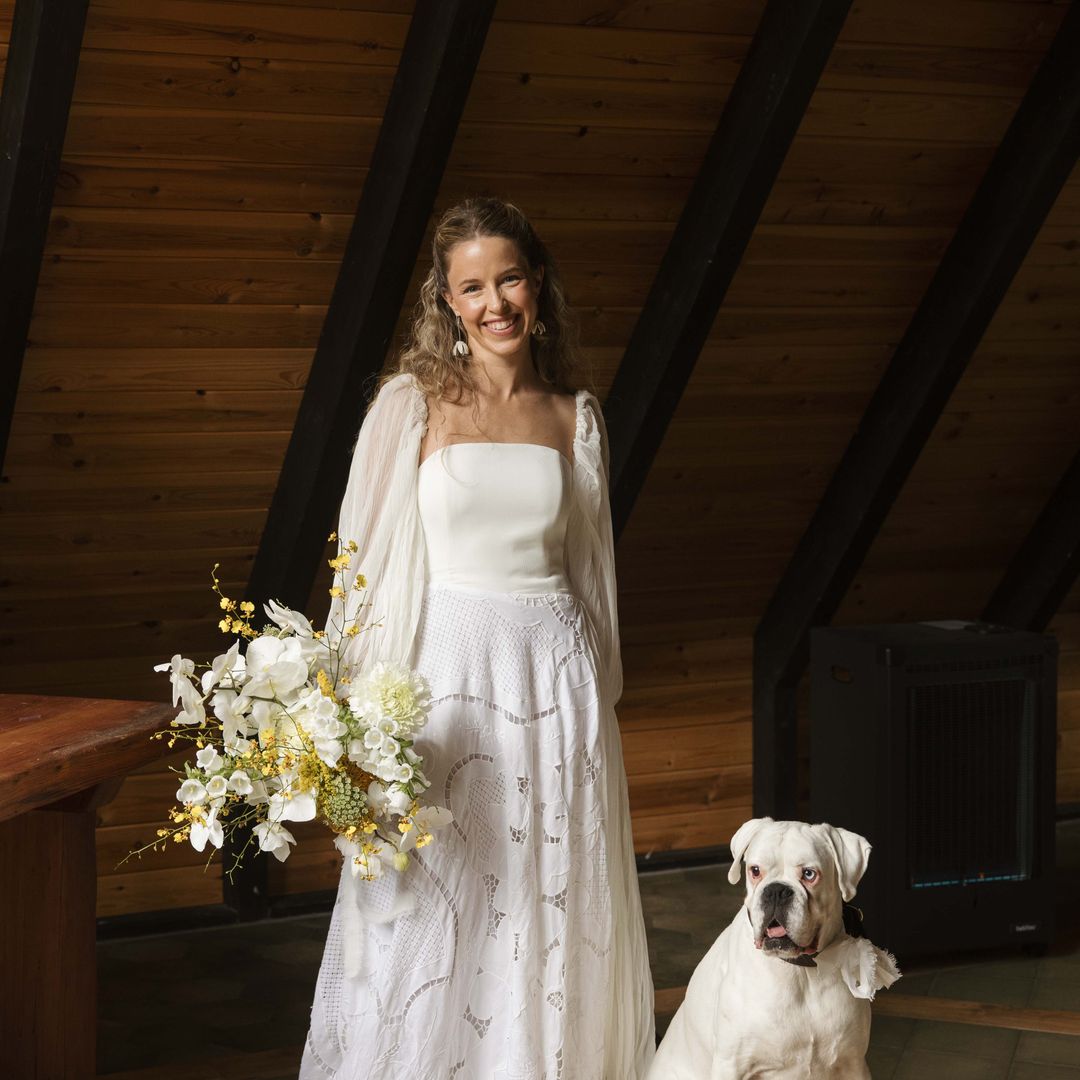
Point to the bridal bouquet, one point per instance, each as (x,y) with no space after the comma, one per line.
(295,739)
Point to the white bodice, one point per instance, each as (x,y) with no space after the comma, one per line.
(494,516)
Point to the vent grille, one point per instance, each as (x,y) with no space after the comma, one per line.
(995,664)
(971,764)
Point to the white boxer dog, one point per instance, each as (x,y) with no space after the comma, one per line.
(784,993)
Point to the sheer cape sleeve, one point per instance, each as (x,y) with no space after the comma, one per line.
(590,545)
(590,568)
(379,511)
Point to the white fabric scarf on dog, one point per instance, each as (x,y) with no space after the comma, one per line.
(864,967)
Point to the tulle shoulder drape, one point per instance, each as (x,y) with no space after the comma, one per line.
(591,567)
(380,512)
(590,546)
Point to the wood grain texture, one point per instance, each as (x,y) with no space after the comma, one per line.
(978,1013)
(48,986)
(200,214)
(53,747)
(938,1010)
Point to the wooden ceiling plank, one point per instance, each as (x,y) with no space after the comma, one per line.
(42,59)
(758,124)
(1017,192)
(1047,563)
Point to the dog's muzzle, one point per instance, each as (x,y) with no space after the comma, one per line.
(775,901)
(775,904)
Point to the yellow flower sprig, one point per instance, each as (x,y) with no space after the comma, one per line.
(283,759)
(238,614)
(348,628)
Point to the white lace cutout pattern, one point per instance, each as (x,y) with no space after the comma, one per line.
(500,970)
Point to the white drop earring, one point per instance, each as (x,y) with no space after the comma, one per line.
(539,330)
(461,346)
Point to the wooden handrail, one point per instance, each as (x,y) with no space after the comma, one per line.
(60,758)
(55,747)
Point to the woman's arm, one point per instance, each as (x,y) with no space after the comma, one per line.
(379,512)
(591,545)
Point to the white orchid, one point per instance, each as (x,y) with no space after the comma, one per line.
(315,707)
(204,829)
(180,672)
(231,663)
(367,859)
(178,666)
(192,710)
(287,732)
(430,818)
(274,838)
(288,619)
(264,713)
(231,709)
(387,800)
(318,716)
(259,793)
(237,746)
(424,822)
(291,806)
(275,666)
(329,750)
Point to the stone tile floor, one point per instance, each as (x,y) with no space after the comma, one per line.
(212,993)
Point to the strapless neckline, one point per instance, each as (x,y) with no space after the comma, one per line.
(496,518)
(489,442)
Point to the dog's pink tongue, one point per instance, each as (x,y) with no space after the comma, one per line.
(776,931)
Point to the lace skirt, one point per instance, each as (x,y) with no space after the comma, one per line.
(513,948)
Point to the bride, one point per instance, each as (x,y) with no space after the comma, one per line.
(513,948)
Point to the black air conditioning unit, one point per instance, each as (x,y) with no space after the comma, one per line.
(936,741)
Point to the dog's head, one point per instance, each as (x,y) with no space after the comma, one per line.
(798,877)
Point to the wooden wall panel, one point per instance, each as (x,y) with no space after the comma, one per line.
(876,181)
(214,159)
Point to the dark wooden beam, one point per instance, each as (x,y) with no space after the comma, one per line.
(436,69)
(1047,563)
(426,101)
(42,58)
(767,103)
(1034,159)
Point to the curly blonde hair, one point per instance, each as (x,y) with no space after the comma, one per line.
(429,352)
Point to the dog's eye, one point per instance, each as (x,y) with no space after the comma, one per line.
(755,871)
(809,874)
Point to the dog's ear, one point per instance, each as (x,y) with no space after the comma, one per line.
(851,853)
(740,842)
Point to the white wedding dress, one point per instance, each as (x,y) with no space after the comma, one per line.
(513,948)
